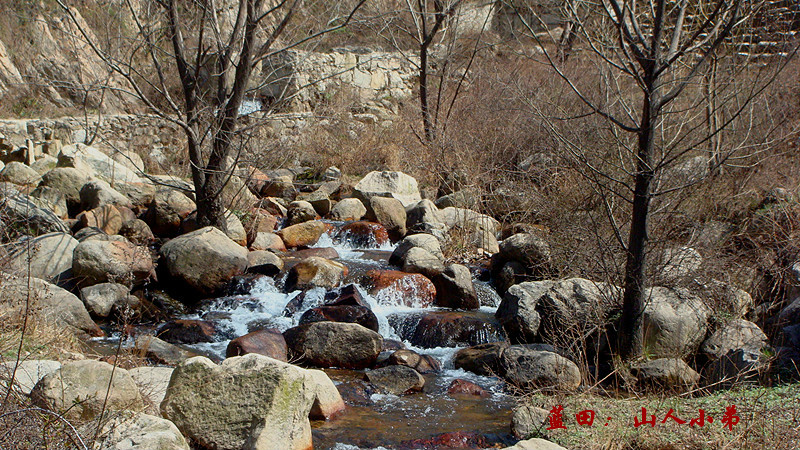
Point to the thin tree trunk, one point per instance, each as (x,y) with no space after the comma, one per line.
(423,94)
(631,336)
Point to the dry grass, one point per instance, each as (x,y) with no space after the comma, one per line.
(770,418)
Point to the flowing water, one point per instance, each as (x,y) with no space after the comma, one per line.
(379,421)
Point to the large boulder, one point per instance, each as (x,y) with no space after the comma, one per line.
(454,288)
(19,174)
(427,242)
(675,322)
(483,359)
(303,234)
(576,304)
(139,431)
(167,211)
(665,373)
(529,250)
(419,260)
(49,198)
(736,350)
(48,256)
(528,420)
(432,329)
(98,193)
(22,214)
(335,344)
(67,180)
(83,389)
(517,311)
(249,402)
(96,163)
(119,261)
(315,272)
(53,304)
(152,382)
(204,260)
(348,209)
(528,368)
(300,211)
(27,374)
(390,213)
(139,194)
(101,299)
(423,217)
(388,184)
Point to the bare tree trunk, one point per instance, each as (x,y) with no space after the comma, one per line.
(430,133)
(631,335)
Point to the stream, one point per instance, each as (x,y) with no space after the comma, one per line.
(378,421)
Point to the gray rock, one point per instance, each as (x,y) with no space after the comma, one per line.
(388,184)
(101,299)
(20,212)
(53,304)
(139,431)
(249,402)
(96,163)
(679,262)
(675,322)
(300,211)
(482,359)
(52,199)
(422,216)
(666,373)
(390,213)
(315,272)
(454,288)
(335,344)
(138,232)
(140,194)
(419,260)
(736,350)
(152,382)
(68,181)
(20,174)
(48,256)
(28,373)
(517,312)
(98,193)
(98,261)
(535,444)
(528,421)
(426,242)
(167,210)
(204,260)
(526,368)
(81,389)
(530,250)
(396,380)
(581,306)
(264,262)
(349,209)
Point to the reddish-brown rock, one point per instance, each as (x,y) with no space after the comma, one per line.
(400,288)
(269,342)
(464,387)
(364,234)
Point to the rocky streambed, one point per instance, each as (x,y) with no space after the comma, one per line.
(450,407)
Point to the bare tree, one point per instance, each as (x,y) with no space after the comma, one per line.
(192,63)
(651,58)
